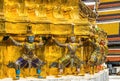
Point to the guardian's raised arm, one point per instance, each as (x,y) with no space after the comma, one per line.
(13,40)
(58,43)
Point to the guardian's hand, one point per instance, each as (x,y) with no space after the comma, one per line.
(6,37)
(53,38)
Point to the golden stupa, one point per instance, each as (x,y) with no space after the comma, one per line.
(60,19)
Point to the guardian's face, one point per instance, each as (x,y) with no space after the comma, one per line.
(40,38)
(30,39)
(72,39)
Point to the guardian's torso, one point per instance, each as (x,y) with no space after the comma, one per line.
(72,48)
(29,50)
(30,46)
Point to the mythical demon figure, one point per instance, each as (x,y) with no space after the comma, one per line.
(70,58)
(28,59)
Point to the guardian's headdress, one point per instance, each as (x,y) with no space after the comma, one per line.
(29,31)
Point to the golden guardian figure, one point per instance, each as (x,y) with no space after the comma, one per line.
(70,59)
(28,59)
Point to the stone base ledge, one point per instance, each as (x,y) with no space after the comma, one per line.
(101,76)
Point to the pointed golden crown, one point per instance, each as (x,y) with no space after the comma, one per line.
(29,31)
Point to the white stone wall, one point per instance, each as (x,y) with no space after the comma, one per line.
(101,76)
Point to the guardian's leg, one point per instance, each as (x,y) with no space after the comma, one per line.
(38,70)
(19,63)
(17,71)
(63,62)
(37,63)
(78,63)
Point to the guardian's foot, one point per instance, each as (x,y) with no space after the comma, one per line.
(40,77)
(78,70)
(16,78)
(61,71)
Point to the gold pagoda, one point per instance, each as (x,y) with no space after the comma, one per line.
(60,19)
